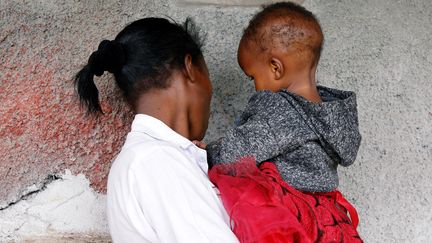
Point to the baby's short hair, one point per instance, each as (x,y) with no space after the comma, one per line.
(285,25)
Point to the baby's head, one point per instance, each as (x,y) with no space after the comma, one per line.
(281,47)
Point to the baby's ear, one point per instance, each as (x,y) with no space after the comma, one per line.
(277,68)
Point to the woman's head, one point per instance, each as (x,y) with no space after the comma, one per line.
(143,57)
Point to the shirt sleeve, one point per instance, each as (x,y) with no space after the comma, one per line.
(179,206)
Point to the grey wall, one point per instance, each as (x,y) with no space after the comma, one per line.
(380,49)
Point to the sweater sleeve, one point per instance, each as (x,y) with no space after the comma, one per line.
(255,137)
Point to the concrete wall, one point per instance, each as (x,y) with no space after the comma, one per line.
(234,2)
(380,49)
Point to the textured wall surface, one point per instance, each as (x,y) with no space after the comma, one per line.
(67,207)
(380,49)
(235,2)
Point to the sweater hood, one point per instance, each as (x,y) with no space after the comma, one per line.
(334,121)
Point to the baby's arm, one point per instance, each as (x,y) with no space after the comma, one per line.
(254,138)
(261,132)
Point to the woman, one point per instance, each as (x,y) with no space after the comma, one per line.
(158,188)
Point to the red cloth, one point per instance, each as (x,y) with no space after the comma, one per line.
(265,209)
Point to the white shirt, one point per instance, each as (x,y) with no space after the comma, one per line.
(159,191)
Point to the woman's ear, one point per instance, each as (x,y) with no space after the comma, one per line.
(277,68)
(190,69)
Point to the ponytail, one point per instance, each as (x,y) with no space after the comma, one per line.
(87,90)
(109,57)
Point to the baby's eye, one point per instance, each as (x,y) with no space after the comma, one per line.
(250,78)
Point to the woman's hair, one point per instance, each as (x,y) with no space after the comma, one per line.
(141,57)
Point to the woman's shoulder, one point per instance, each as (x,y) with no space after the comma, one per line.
(150,151)
(144,161)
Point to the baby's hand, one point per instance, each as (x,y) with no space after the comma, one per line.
(199,144)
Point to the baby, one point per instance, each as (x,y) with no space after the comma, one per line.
(306,130)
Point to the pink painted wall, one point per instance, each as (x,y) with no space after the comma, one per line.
(42,128)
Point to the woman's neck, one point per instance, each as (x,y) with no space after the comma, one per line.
(166,106)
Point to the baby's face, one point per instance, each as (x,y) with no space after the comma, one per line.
(254,64)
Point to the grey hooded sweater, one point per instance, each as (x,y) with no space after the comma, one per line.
(306,141)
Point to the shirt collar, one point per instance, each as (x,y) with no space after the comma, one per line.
(159,130)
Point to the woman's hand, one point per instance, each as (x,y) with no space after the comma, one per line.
(199,144)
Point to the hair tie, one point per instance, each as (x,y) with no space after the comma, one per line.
(109,57)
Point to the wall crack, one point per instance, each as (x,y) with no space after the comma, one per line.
(43,185)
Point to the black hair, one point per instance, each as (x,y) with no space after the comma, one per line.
(287,32)
(141,57)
